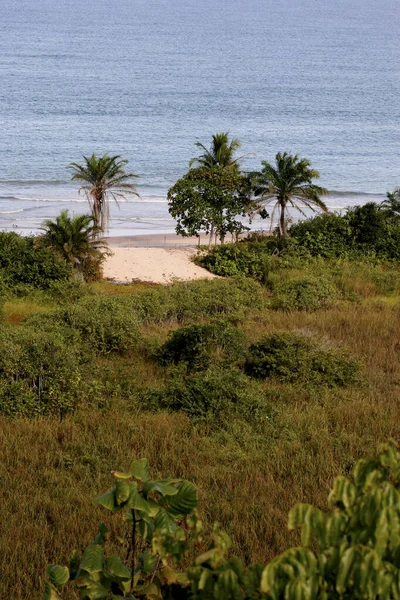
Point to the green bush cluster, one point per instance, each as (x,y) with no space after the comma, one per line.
(24,263)
(196,300)
(199,345)
(305,293)
(212,396)
(298,358)
(39,373)
(363,231)
(103,324)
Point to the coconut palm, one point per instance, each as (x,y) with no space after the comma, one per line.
(73,238)
(102,178)
(288,183)
(392,202)
(221,153)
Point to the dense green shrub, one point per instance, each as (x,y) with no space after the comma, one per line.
(363,231)
(294,357)
(39,373)
(213,396)
(67,292)
(102,323)
(197,300)
(305,293)
(22,261)
(198,345)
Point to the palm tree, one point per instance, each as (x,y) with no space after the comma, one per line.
(286,184)
(73,238)
(103,177)
(392,202)
(221,153)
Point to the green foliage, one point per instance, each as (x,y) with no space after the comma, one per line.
(287,183)
(209,200)
(75,239)
(23,262)
(197,300)
(198,345)
(39,373)
(154,540)
(305,293)
(366,230)
(299,358)
(102,178)
(358,539)
(213,396)
(103,324)
(349,552)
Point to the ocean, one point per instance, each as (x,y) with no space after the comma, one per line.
(146,79)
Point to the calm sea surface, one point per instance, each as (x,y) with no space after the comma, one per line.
(147,78)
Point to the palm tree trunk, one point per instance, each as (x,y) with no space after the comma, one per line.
(282,222)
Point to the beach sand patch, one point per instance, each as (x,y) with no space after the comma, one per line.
(155,265)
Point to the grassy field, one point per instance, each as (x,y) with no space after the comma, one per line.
(248,477)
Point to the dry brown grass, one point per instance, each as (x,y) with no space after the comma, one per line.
(51,470)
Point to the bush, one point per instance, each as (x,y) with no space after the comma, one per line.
(39,373)
(299,358)
(22,262)
(198,345)
(213,396)
(306,293)
(198,300)
(363,231)
(103,324)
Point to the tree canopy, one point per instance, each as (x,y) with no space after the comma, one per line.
(209,200)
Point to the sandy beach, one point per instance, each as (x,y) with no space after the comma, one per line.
(155,265)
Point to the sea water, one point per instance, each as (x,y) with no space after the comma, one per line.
(146,79)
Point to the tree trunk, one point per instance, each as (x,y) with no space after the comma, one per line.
(282,222)
(211,235)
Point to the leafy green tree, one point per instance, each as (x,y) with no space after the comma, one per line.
(220,154)
(286,184)
(209,200)
(73,238)
(102,178)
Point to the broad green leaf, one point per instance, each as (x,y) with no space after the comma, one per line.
(184,502)
(121,475)
(122,491)
(148,562)
(163,522)
(92,559)
(140,469)
(116,567)
(50,592)
(345,566)
(102,535)
(57,575)
(108,501)
(96,591)
(136,500)
(158,486)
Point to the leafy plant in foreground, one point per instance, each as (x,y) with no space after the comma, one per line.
(152,511)
(352,551)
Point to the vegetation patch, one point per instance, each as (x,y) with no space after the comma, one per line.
(197,345)
(214,396)
(305,293)
(298,358)
(39,373)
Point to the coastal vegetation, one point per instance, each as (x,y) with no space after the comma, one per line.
(102,178)
(258,387)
